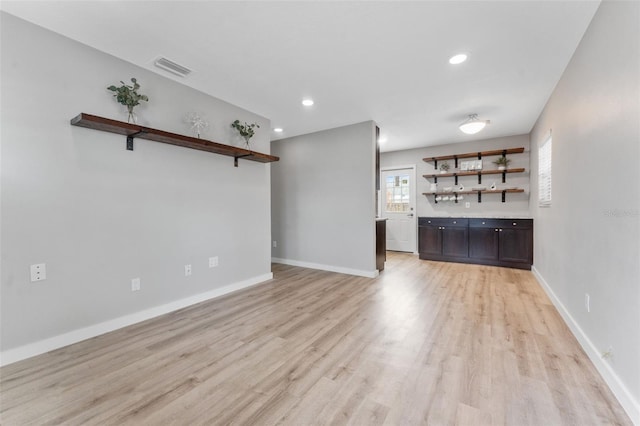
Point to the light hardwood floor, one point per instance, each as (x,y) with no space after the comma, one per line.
(424,343)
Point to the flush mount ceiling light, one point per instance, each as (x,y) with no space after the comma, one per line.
(307,102)
(473,125)
(458,59)
(172,67)
(278,130)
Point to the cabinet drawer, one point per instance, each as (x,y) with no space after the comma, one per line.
(501,223)
(443,221)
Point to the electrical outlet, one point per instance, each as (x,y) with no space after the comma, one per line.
(608,354)
(187,270)
(275,243)
(587,302)
(213,262)
(135,284)
(467,205)
(38,272)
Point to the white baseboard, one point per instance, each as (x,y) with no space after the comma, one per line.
(626,399)
(32,349)
(331,268)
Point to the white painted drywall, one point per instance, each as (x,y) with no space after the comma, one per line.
(99,215)
(588,241)
(323,203)
(516,205)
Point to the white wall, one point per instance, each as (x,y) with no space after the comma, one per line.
(99,215)
(516,205)
(588,241)
(323,202)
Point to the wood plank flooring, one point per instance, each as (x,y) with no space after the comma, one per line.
(425,343)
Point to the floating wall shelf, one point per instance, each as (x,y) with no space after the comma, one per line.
(477,155)
(479,173)
(504,192)
(132,131)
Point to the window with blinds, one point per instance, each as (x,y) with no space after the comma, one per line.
(544,173)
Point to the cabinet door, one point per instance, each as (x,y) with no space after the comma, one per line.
(430,240)
(483,243)
(455,241)
(516,245)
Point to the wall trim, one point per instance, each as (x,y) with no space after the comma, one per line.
(620,391)
(32,349)
(330,268)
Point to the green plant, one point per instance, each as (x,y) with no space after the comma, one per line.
(444,166)
(128,95)
(246,130)
(502,161)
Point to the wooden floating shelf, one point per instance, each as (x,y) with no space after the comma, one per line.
(484,191)
(475,173)
(478,155)
(132,131)
(479,192)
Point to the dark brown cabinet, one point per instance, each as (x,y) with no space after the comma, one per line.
(442,239)
(498,242)
(381,243)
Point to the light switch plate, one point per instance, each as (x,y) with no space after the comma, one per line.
(38,272)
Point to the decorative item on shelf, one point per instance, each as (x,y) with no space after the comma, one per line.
(129,97)
(502,163)
(461,187)
(471,165)
(433,187)
(444,167)
(197,123)
(493,186)
(245,130)
(439,198)
(447,189)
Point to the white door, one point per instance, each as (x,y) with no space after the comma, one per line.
(398,206)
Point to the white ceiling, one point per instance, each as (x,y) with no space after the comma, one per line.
(383,61)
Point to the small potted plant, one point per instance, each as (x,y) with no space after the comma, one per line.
(128,96)
(502,163)
(444,167)
(246,130)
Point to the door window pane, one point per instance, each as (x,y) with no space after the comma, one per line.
(398,197)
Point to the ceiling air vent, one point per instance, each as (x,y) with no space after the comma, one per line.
(172,67)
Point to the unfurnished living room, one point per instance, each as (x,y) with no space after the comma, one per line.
(320,212)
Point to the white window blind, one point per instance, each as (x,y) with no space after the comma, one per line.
(544,172)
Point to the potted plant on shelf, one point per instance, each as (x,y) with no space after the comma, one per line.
(502,163)
(128,96)
(444,167)
(246,130)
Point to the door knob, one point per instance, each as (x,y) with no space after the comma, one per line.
(410,215)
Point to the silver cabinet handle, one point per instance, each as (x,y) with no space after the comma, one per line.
(500,230)
(496,229)
(515,223)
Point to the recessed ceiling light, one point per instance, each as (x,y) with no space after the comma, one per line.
(458,59)
(307,102)
(278,130)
